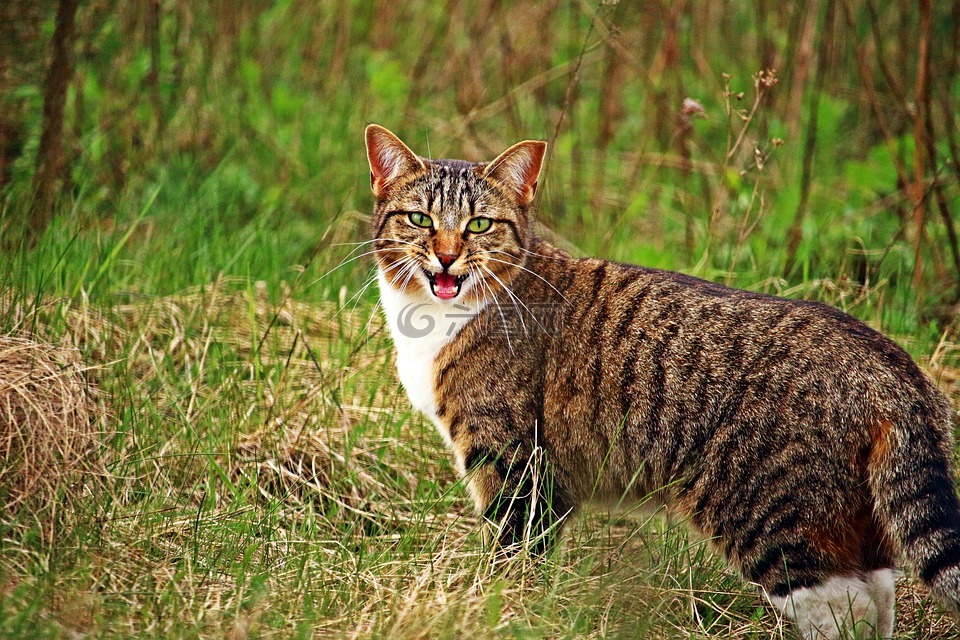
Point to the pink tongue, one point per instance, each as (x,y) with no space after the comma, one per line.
(446,286)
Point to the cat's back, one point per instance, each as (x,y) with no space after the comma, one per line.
(672,366)
(693,324)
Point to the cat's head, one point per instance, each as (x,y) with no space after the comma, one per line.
(452,230)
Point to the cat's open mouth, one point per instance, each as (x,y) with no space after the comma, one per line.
(445,286)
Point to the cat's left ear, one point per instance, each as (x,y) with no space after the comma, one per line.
(389,159)
(519,168)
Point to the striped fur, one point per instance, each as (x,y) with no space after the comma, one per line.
(808,446)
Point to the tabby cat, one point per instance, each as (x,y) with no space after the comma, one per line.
(808,447)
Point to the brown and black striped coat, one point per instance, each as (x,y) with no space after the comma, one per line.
(805,444)
(758,417)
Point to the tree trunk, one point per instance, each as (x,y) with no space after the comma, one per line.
(50,156)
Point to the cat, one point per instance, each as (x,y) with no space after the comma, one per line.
(809,448)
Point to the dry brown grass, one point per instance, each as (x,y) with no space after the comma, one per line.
(50,426)
(298,405)
(916,613)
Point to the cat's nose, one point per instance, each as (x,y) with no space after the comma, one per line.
(447,259)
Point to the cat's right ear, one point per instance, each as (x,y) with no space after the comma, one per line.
(518,168)
(389,159)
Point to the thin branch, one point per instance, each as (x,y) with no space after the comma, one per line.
(795,233)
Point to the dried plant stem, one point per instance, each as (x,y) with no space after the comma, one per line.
(875,103)
(153,17)
(571,87)
(762,82)
(795,232)
(746,228)
(423,60)
(879,52)
(800,50)
(921,91)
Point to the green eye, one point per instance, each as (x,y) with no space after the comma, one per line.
(479,225)
(420,219)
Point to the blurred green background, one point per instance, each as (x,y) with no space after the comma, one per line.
(232,119)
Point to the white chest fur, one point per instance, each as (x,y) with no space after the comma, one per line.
(421,326)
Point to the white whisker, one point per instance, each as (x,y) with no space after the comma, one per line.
(359,245)
(359,294)
(408,263)
(373,314)
(503,320)
(514,299)
(348,261)
(356,295)
(351,244)
(405,272)
(404,262)
(520,266)
(410,274)
(539,255)
(369,282)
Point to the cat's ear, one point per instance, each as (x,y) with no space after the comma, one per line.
(389,159)
(518,168)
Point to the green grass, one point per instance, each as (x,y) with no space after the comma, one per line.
(267,476)
(291,490)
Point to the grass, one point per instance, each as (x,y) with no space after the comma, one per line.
(267,476)
(287,488)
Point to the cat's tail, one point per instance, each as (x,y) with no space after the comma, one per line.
(913,490)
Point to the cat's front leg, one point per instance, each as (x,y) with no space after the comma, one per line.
(515,490)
